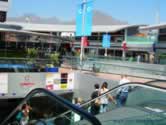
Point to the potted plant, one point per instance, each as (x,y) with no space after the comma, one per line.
(54,58)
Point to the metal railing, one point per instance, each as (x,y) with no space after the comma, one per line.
(137,84)
(58,99)
(108,65)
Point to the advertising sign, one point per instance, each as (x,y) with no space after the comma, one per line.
(106,42)
(23,83)
(84,19)
(58,81)
(53,81)
(64,77)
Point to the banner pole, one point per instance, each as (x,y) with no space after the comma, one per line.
(83,30)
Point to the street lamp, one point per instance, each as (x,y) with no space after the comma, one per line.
(83,30)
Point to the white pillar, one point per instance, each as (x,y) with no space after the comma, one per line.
(105,54)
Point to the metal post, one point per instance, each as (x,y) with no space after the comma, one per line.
(82,49)
(83,29)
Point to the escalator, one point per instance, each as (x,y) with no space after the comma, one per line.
(132,116)
(146,105)
(46,105)
(8,103)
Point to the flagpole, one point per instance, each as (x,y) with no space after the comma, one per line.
(83,30)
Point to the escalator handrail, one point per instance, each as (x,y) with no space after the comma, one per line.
(58,99)
(158,114)
(153,81)
(146,85)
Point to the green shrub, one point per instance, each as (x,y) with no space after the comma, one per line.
(54,57)
(32,52)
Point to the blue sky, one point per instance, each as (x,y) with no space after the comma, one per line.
(132,11)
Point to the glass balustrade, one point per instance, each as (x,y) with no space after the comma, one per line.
(145,105)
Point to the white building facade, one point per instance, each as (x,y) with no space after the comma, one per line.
(4,6)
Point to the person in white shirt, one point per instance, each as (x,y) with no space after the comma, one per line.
(123,91)
(105,99)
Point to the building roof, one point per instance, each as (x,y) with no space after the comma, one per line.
(15,28)
(10,26)
(24,32)
(71,28)
(151,27)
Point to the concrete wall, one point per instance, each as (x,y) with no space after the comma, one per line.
(23,83)
(20,84)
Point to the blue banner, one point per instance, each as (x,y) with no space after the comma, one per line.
(106,42)
(79,18)
(88,19)
(84,19)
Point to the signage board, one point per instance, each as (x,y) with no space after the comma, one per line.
(23,83)
(106,42)
(84,19)
(53,81)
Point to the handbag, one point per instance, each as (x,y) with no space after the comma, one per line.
(97,102)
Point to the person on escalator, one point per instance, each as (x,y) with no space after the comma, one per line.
(122,93)
(105,99)
(23,115)
(76,116)
(95,105)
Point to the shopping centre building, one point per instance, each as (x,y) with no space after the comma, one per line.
(49,37)
(137,43)
(46,87)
